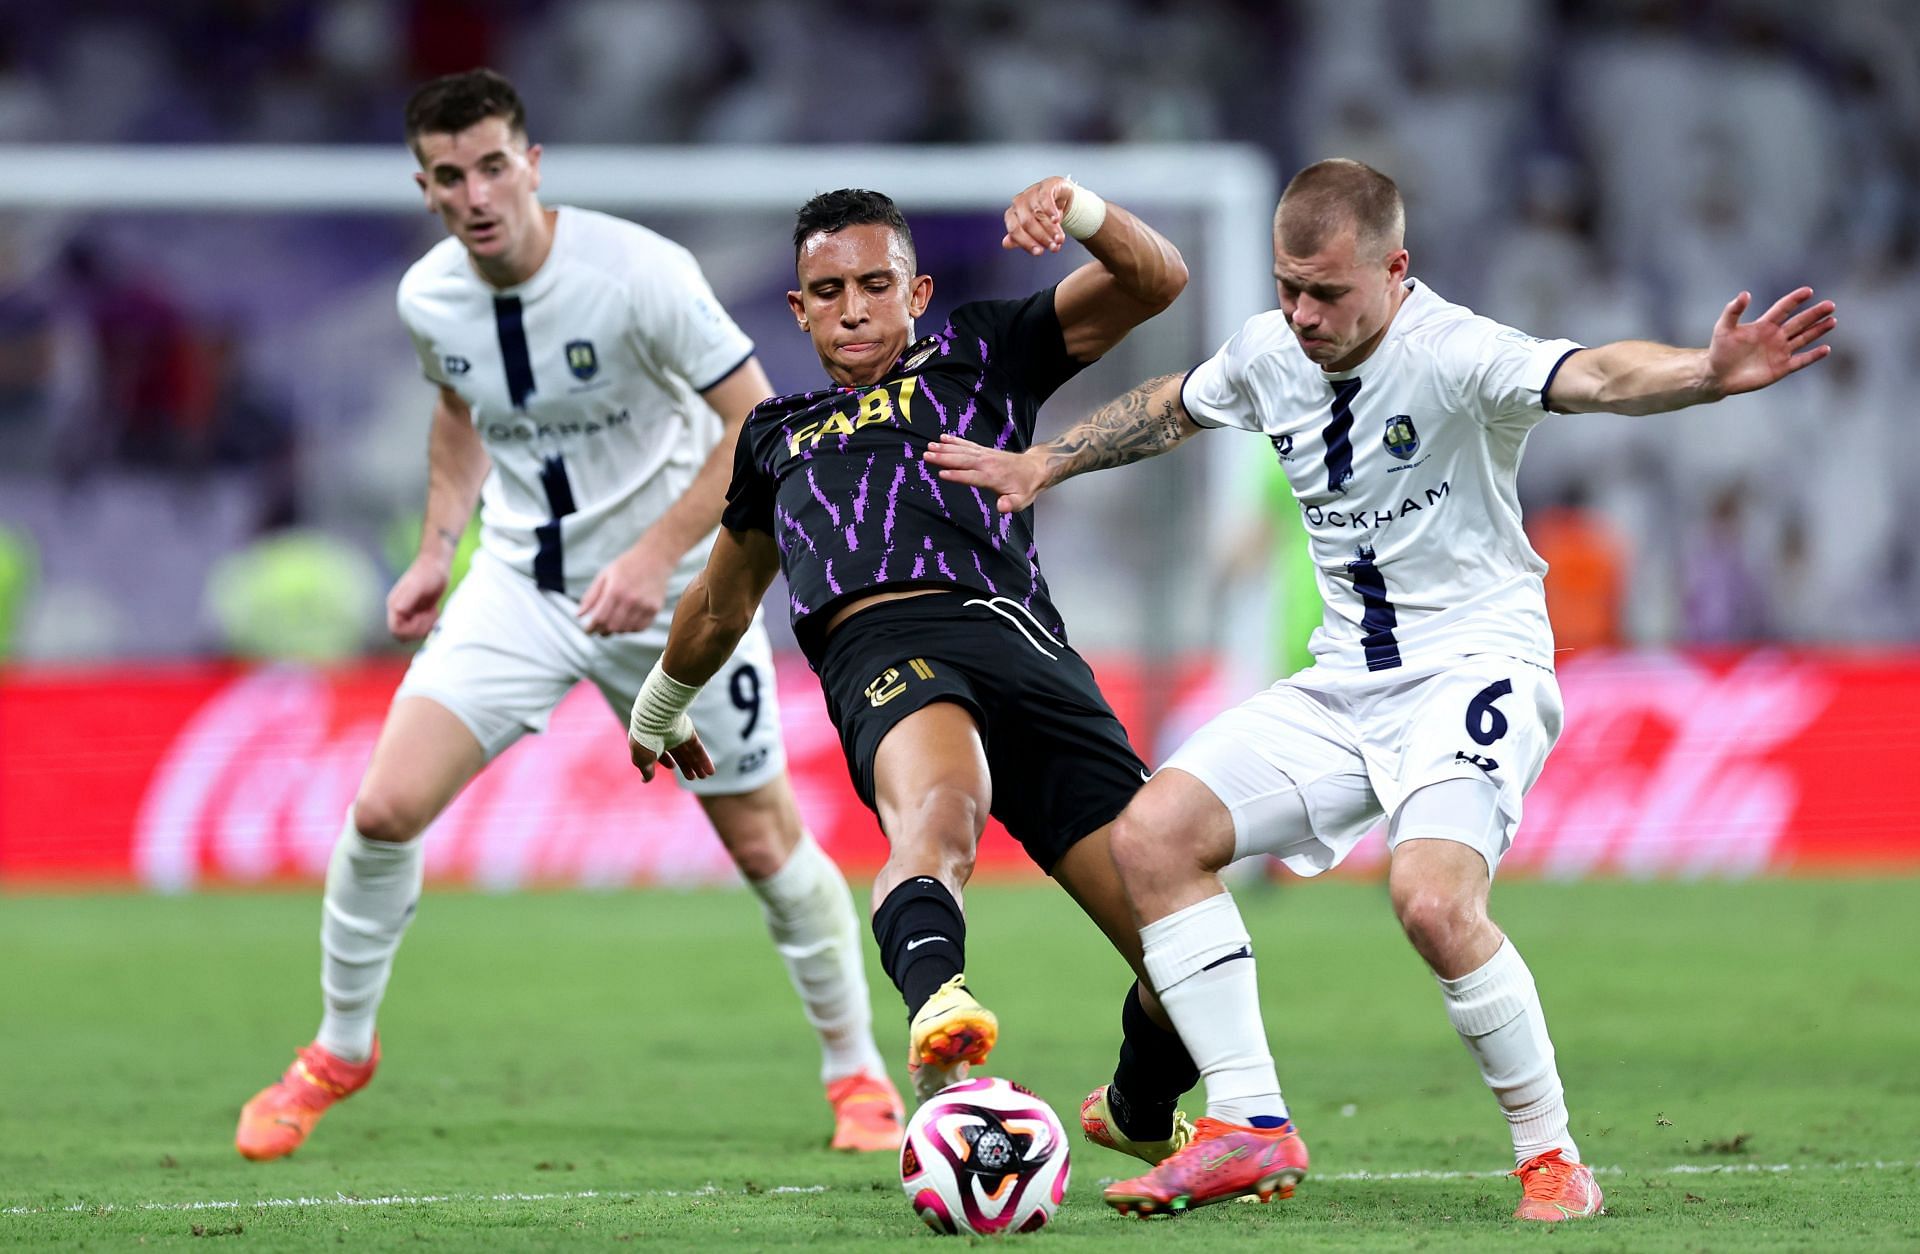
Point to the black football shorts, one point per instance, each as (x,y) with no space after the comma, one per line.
(1060,761)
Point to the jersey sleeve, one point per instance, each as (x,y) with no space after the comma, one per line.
(1219,391)
(682,323)
(430,364)
(1503,373)
(750,494)
(1021,339)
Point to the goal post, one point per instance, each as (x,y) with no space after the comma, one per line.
(1133,566)
(1232,186)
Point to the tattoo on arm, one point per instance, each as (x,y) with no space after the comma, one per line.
(1125,430)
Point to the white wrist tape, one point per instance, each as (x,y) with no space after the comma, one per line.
(1085,215)
(660,718)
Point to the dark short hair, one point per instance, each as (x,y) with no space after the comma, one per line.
(1334,195)
(850,206)
(453,102)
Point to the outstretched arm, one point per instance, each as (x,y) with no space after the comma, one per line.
(1136,272)
(1637,377)
(714,612)
(1145,422)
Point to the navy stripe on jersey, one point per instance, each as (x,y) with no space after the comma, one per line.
(1339,435)
(549,561)
(1378,621)
(513,349)
(726,374)
(1198,419)
(1551,376)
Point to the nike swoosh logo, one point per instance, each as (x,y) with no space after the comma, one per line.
(924,940)
(1146,776)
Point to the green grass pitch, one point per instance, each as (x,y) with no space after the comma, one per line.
(1742,1062)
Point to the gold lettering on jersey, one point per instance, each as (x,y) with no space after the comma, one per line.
(885,688)
(918,665)
(876,405)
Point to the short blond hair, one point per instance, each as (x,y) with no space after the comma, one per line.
(1336,195)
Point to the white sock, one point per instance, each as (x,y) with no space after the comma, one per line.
(372,888)
(1496,1011)
(809,913)
(1200,961)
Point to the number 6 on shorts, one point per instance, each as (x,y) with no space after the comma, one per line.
(1485,723)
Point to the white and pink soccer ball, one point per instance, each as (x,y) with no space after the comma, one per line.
(984,1157)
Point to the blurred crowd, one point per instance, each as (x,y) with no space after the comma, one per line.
(1596,169)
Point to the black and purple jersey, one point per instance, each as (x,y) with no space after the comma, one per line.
(836,476)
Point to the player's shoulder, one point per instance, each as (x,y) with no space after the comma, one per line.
(777,409)
(1266,334)
(442,271)
(1444,328)
(608,243)
(1265,347)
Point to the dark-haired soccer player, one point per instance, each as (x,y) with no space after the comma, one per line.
(945,665)
(589,386)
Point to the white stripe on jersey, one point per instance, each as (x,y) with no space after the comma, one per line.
(584,383)
(1404,468)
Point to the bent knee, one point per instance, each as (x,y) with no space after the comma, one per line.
(760,854)
(1166,829)
(1438,922)
(380,815)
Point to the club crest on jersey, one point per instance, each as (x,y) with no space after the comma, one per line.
(582,360)
(918,359)
(1401,439)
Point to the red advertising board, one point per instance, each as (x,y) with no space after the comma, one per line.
(176,777)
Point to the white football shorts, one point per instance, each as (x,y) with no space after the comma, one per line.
(505,652)
(1351,756)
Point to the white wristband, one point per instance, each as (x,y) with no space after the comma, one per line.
(659,719)
(1085,215)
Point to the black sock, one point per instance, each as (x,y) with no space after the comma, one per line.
(1155,1071)
(922,937)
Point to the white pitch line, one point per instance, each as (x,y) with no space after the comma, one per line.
(1681,1169)
(437,1199)
(403,1199)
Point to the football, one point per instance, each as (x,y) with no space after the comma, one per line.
(983,1157)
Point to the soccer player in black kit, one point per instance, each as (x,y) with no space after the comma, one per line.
(924,612)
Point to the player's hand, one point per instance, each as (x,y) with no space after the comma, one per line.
(688,757)
(1747,356)
(1017,477)
(1033,219)
(627,594)
(413,606)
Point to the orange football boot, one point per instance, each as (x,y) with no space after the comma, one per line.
(1098,1125)
(1222,1161)
(281,1115)
(949,1034)
(1553,1189)
(867,1115)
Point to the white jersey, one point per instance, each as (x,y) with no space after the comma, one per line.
(584,382)
(1405,470)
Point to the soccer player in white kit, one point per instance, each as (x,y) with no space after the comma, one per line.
(1399,419)
(590,389)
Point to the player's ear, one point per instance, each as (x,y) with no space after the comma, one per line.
(1399,261)
(426,192)
(533,163)
(920,295)
(799,309)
